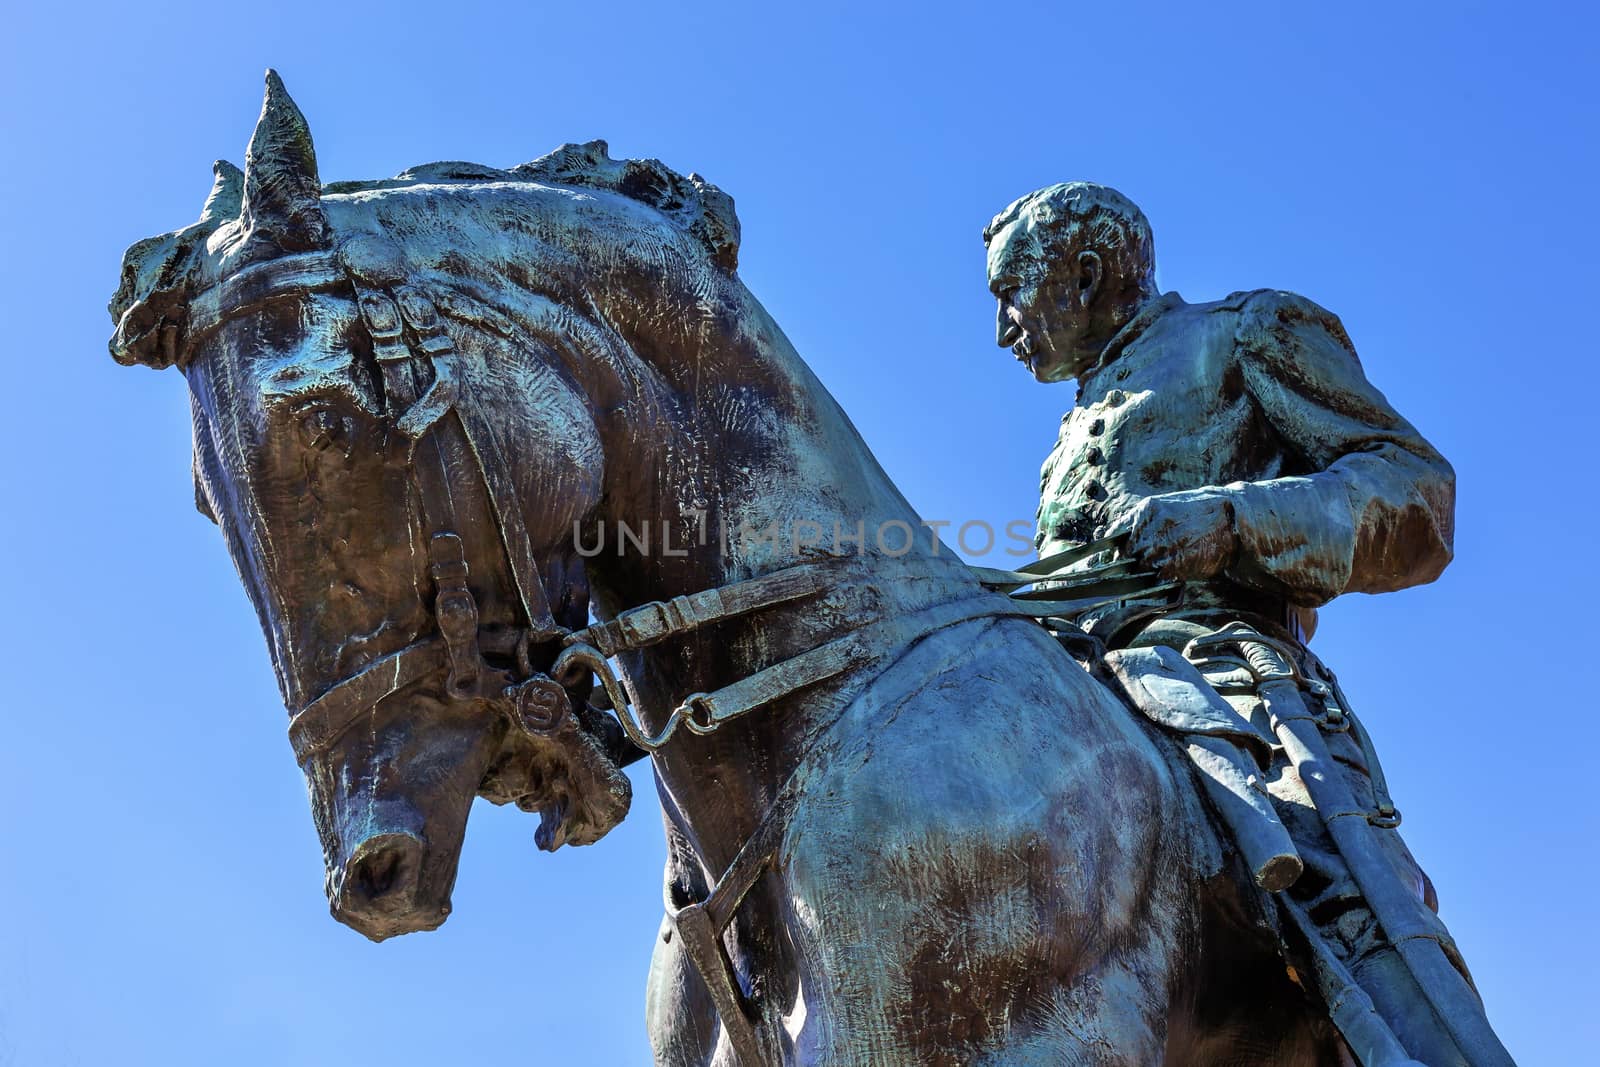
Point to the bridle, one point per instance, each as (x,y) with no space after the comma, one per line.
(423,383)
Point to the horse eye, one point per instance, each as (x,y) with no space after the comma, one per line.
(324,428)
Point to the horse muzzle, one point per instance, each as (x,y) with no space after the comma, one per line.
(380,890)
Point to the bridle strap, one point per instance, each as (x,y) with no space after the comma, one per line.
(659,620)
(422,385)
(700,925)
(705,713)
(262,283)
(386,315)
(442,396)
(371,266)
(324,720)
(514,536)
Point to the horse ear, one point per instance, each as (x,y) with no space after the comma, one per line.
(149,303)
(282,200)
(226,199)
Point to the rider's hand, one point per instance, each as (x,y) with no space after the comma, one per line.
(1186,536)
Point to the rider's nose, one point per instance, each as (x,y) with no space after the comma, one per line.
(1006,330)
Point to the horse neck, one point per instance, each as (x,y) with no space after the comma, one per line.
(745,441)
(737,434)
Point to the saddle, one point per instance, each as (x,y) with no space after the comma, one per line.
(1403,995)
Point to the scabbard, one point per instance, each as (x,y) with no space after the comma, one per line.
(1354,1015)
(1233,786)
(1454,1003)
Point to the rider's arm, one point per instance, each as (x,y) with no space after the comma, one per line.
(1372,505)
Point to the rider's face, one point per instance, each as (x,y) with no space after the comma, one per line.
(1044,308)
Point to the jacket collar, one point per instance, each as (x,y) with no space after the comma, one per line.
(1131,332)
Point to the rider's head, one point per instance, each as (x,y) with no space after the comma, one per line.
(1070,265)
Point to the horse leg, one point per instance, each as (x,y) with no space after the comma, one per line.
(1241,1005)
(679,1013)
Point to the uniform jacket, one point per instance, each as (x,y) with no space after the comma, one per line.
(1258,398)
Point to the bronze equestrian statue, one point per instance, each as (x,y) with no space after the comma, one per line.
(904,825)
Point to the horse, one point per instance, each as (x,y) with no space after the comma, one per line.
(903,824)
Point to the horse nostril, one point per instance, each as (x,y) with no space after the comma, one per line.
(383,870)
(375,874)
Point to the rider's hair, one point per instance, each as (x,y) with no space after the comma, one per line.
(1074,216)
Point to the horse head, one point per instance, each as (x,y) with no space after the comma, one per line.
(419,407)
(353,391)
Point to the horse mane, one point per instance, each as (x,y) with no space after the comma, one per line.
(692,203)
(152,287)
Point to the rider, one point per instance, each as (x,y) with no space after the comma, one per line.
(1235,447)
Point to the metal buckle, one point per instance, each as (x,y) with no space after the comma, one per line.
(645,624)
(1387,817)
(457,612)
(417,309)
(659,619)
(384,324)
(1334,720)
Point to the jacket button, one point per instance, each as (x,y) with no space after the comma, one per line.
(1116,397)
(1095,491)
(1097,427)
(1094,456)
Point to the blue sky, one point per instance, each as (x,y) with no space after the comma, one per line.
(1427,171)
